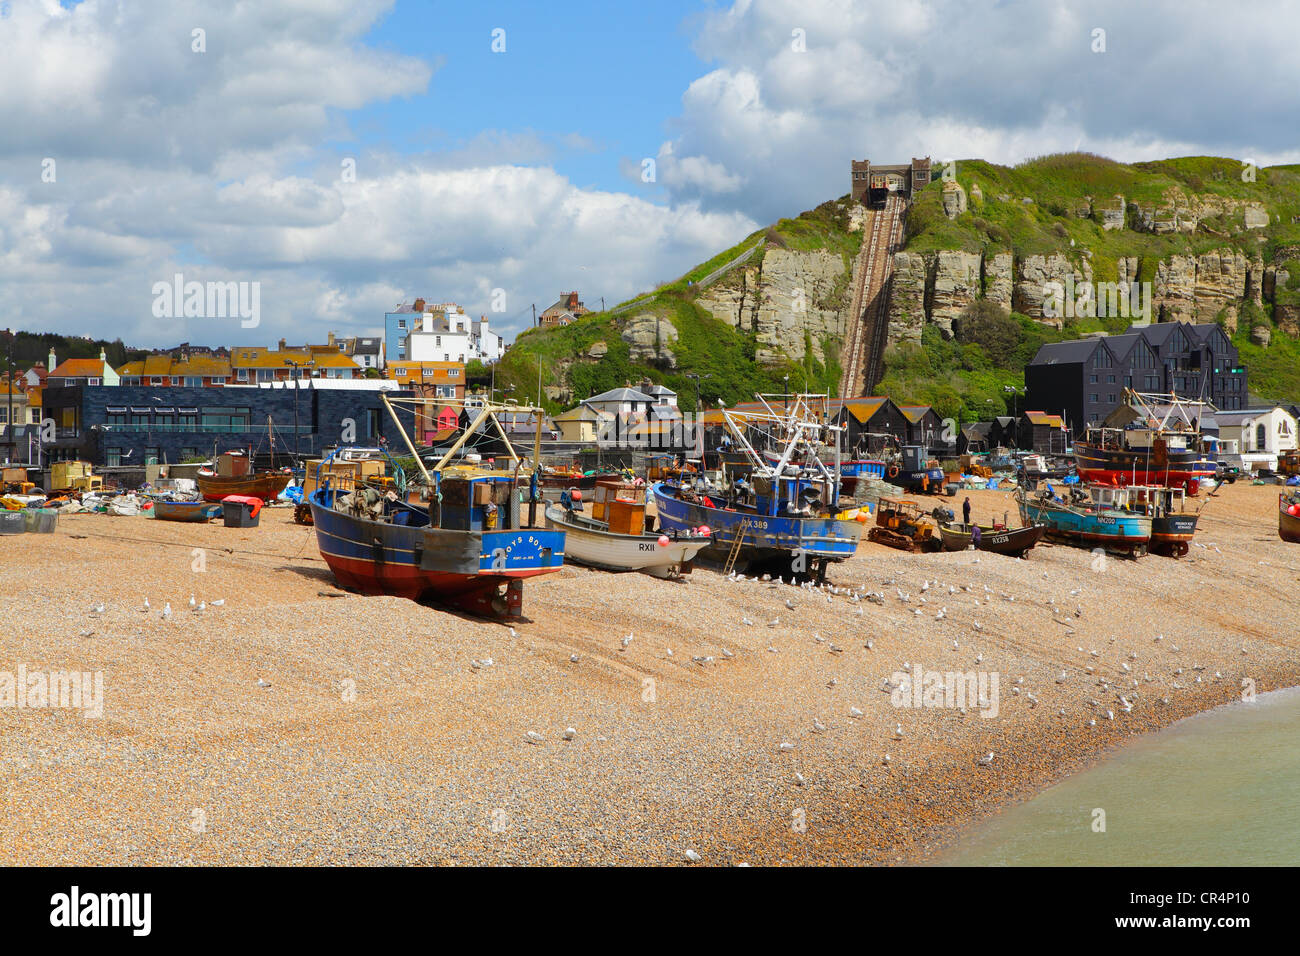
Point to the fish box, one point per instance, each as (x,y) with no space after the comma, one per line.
(239,514)
(40,520)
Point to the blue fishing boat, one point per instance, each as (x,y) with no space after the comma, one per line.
(913,470)
(782,514)
(1085,522)
(456,538)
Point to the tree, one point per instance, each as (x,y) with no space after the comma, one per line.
(991,327)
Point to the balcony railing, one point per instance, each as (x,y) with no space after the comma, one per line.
(135,429)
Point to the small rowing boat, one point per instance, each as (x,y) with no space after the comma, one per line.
(1015,542)
(185,510)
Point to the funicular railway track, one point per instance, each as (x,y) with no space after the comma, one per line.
(869,308)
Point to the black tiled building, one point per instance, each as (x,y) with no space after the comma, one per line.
(1083,380)
(125,425)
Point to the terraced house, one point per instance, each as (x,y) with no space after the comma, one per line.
(179,368)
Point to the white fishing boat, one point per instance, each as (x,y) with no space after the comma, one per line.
(612,537)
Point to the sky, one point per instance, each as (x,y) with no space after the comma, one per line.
(341,156)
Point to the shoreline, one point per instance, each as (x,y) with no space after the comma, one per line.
(428,763)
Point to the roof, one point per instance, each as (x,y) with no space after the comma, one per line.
(580,413)
(914,413)
(1065,353)
(1042,418)
(977,430)
(621,395)
(165,364)
(259,356)
(1236,418)
(1122,345)
(864,408)
(79,368)
(658,390)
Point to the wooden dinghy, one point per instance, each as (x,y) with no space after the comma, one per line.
(1016,543)
(185,510)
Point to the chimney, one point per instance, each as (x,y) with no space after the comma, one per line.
(330,340)
(573,301)
(282,345)
(418,305)
(53,365)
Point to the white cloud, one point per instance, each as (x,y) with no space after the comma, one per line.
(212,165)
(892,79)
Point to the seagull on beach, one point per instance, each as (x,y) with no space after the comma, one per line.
(987,761)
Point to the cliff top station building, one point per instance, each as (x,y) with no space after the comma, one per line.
(872,184)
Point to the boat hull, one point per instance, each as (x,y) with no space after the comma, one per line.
(601,549)
(766,537)
(463,569)
(1016,543)
(266,486)
(186,510)
(1111,466)
(1288,526)
(1117,531)
(1172,534)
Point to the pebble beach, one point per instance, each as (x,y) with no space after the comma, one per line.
(290,722)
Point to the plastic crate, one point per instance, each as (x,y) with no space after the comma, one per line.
(41,520)
(12,522)
(237,514)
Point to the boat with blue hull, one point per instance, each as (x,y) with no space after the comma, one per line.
(1080,522)
(456,538)
(763,536)
(779,510)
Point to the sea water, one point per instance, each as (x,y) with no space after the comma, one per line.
(1218,788)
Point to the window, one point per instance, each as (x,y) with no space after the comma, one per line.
(1261,436)
(266,375)
(399,372)
(155,380)
(94,381)
(1110,379)
(241,375)
(1110,397)
(1093,398)
(140,418)
(189,453)
(194,381)
(112,457)
(453,373)
(151,456)
(188,420)
(446,391)
(1092,380)
(401,323)
(372,423)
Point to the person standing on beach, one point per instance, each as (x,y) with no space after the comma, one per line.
(965,510)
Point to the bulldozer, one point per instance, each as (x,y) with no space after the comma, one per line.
(905,525)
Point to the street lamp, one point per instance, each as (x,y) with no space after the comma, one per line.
(9,376)
(310,363)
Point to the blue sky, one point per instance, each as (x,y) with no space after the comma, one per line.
(595,82)
(480,173)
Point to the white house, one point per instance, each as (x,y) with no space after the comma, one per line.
(1259,434)
(449,335)
(621,402)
